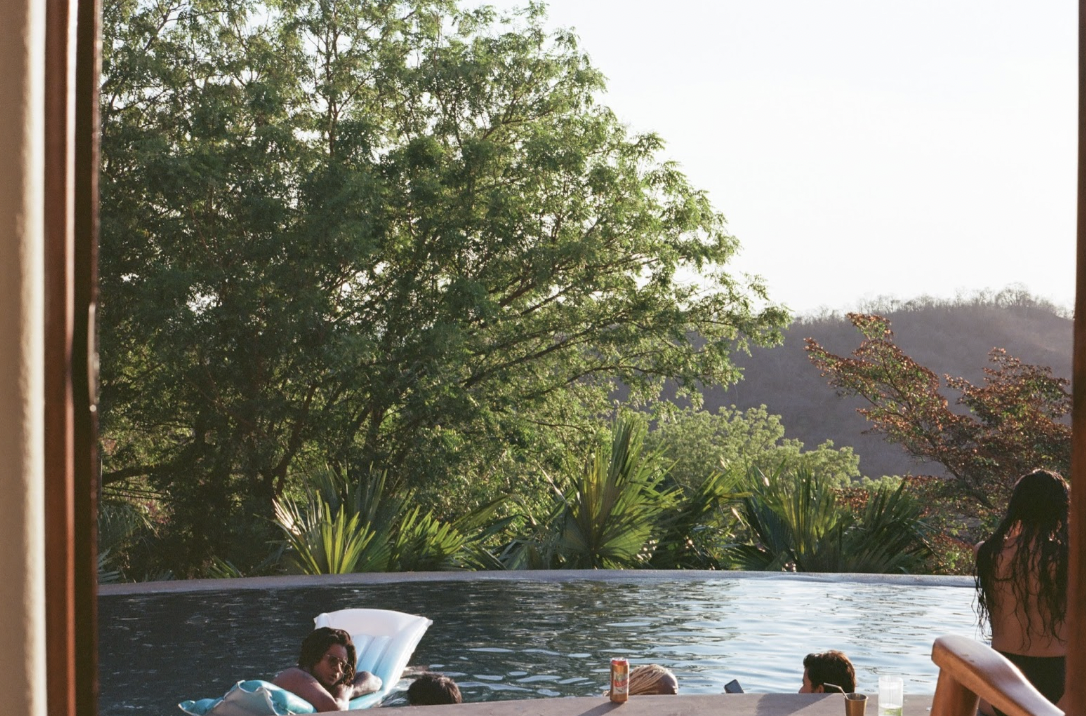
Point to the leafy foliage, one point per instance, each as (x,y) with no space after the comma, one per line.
(608,514)
(123,530)
(700,442)
(622,510)
(1015,421)
(799,523)
(697,533)
(346,526)
(386,234)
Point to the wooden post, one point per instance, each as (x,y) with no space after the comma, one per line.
(59,210)
(1076,598)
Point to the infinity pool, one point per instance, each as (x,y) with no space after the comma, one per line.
(528,638)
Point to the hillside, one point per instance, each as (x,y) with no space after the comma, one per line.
(947,338)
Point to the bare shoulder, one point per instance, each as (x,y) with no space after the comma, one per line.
(292,677)
(302,684)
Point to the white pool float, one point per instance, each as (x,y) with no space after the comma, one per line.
(384,640)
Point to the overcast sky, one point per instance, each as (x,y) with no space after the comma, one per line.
(860,148)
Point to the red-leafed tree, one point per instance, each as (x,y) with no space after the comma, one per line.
(1013,423)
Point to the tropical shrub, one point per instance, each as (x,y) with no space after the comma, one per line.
(348,525)
(620,509)
(697,532)
(799,522)
(605,515)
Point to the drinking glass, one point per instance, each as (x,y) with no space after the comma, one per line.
(891,695)
(855,704)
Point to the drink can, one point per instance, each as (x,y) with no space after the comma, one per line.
(620,680)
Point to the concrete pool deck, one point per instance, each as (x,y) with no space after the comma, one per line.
(695,705)
(541,575)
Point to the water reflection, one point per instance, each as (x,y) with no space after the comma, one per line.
(511,640)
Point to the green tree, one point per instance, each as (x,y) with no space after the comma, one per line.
(392,236)
(700,442)
(1015,422)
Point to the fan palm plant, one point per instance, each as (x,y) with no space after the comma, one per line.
(119,523)
(323,539)
(796,522)
(349,525)
(695,532)
(609,513)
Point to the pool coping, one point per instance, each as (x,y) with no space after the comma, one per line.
(542,575)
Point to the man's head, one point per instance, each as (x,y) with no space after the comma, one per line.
(432,690)
(325,652)
(828,667)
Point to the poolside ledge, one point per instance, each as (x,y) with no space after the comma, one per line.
(682,705)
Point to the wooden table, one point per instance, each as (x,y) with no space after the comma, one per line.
(682,705)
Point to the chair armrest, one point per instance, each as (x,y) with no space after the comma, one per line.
(969,669)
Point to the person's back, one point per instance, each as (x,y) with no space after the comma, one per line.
(1021,578)
(1020,622)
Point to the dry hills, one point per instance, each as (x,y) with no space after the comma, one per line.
(952,339)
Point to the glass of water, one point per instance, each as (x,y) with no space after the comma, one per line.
(891,695)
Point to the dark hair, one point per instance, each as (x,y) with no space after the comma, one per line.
(432,689)
(1037,516)
(830,667)
(316,645)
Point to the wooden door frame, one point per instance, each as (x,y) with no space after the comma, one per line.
(1076,598)
(72,64)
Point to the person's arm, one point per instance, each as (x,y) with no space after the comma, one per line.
(303,685)
(365,683)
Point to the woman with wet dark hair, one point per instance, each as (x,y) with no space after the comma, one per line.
(1021,578)
(325,675)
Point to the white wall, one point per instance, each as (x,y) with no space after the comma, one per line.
(22,593)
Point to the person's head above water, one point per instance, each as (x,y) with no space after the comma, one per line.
(827,667)
(328,654)
(1036,526)
(432,689)
(652,679)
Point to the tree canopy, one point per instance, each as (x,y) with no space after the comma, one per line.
(1014,423)
(699,442)
(390,236)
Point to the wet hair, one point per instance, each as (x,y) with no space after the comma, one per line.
(1036,520)
(652,679)
(316,645)
(432,689)
(830,667)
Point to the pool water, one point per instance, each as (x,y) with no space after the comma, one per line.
(502,639)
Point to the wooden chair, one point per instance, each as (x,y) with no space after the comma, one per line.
(970,671)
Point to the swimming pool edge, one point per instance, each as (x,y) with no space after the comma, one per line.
(548,575)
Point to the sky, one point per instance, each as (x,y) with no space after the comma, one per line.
(860,148)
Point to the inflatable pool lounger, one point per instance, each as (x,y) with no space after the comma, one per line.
(384,640)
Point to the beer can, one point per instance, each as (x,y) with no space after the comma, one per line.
(620,680)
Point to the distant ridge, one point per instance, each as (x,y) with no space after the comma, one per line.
(949,338)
